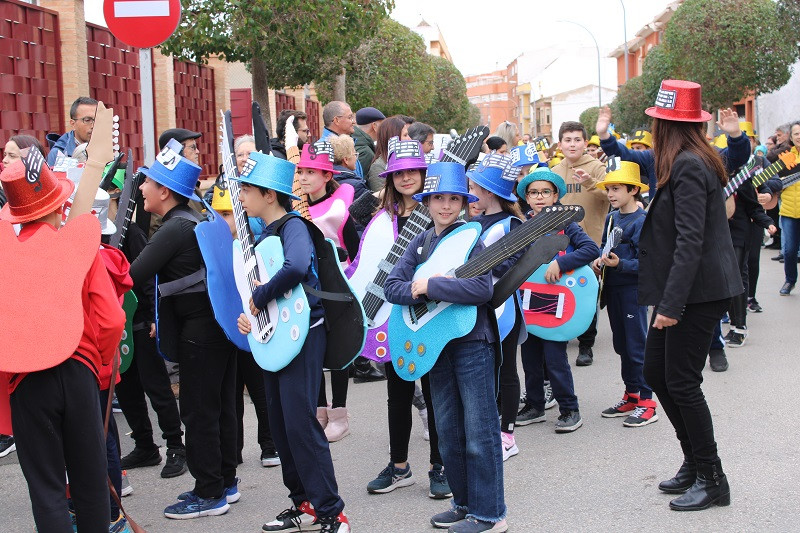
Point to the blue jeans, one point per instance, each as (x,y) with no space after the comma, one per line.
(790,241)
(463,394)
(629,331)
(536,353)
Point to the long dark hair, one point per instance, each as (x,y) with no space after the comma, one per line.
(392,197)
(670,138)
(26,141)
(511,208)
(390,127)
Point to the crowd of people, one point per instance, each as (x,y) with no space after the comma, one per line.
(660,202)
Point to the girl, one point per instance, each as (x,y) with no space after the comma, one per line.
(404,176)
(300,440)
(543,188)
(493,184)
(685,249)
(328,204)
(462,380)
(393,126)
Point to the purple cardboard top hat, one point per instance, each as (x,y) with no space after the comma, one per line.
(318,156)
(404,155)
(679,100)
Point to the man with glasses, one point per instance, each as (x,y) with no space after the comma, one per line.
(187,138)
(81,120)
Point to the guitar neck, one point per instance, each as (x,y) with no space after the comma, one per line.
(746,172)
(459,149)
(123,231)
(768,172)
(550,219)
(790,179)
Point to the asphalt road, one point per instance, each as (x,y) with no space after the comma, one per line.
(603,477)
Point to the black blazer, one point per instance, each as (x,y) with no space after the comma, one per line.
(685,250)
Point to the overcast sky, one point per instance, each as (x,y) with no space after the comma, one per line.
(483,36)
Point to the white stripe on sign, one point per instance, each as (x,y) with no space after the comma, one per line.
(142,8)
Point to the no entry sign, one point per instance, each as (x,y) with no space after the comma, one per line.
(142,23)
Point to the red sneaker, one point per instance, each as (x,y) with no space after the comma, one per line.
(624,407)
(645,413)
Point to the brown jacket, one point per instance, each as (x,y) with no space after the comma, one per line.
(587,195)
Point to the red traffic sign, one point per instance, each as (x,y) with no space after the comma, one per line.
(142,23)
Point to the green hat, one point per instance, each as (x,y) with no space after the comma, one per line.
(543,174)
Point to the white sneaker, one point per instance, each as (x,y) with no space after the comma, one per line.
(509,445)
(423,416)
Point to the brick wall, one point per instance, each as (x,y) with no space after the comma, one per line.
(196,110)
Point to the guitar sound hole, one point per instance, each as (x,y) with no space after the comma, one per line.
(298,305)
(285,314)
(294,333)
(543,303)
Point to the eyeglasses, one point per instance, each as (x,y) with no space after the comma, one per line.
(86,120)
(306,130)
(348,117)
(428,142)
(544,193)
(192,146)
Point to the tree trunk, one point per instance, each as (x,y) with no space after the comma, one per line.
(339,87)
(261,87)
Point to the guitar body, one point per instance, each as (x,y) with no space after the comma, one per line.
(416,340)
(258,335)
(559,311)
(290,310)
(129,305)
(216,244)
(377,241)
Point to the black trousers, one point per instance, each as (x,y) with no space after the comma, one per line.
(249,374)
(587,338)
(306,461)
(112,454)
(509,380)
(340,381)
(738,307)
(208,410)
(400,398)
(56,419)
(754,259)
(148,375)
(673,367)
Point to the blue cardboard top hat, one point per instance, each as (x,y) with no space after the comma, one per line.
(525,155)
(497,175)
(174,171)
(542,174)
(269,172)
(445,178)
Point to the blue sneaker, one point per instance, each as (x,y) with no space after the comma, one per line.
(391,478)
(120,525)
(440,488)
(194,507)
(448,518)
(232,493)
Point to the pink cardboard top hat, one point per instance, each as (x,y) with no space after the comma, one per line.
(33,189)
(318,156)
(679,100)
(404,155)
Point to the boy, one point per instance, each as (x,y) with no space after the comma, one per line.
(292,391)
(581,173)
(189,334)
(628,319)
(56,411)
(544,188)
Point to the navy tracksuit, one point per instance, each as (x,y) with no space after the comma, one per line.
(628,319)
(292,391)
(537,352)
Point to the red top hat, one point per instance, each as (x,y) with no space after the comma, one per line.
(679,100)
(33,189)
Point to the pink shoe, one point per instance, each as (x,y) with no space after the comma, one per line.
(509,445)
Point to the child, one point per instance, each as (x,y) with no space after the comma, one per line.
(56,411)
(628,319)
(292,392)
(581,173)
(463,378)
(544,188)
(404,175)
(189,334)
(328,204)
(248,373)
(493,184)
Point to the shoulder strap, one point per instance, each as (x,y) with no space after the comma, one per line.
(188,215)
(426,246)
(283,220)
(194,282)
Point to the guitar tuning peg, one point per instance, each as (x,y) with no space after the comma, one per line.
(116,148)
(115,118)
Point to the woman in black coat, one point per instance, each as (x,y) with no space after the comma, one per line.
(689,273)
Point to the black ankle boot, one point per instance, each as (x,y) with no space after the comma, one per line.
(711,488)
(685,478)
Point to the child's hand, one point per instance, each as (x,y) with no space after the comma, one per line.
(553,272)
(580,176)
(729,122)
(419,287)
(597,265)
(244,324)
(603,121)
(611,259)
(772,229)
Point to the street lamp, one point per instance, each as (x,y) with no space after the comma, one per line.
(625,37)
(599,87)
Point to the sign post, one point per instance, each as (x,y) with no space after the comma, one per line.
(144,24)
